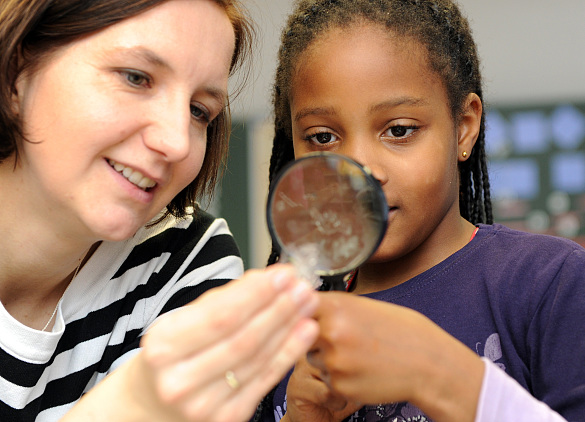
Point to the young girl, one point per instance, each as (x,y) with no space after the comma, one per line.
(113,119)
(482,323)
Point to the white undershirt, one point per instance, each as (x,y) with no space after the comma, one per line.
(502,398)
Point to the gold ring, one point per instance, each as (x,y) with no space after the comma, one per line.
(231,380)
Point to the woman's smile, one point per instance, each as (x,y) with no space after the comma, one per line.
(133,176)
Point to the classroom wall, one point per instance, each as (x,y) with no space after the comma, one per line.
(532,51)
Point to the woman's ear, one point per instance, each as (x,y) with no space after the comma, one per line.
(15,98)
(19,90)
(469,125)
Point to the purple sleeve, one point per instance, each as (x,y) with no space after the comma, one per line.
(503,399)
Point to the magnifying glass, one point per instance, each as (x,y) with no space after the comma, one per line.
(327,213)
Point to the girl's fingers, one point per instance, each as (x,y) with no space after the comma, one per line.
(312,385)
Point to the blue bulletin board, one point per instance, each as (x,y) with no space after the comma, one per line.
(537,168)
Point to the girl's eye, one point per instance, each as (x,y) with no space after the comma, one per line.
(136,78)
(200,113)
(322,138)
(400,131)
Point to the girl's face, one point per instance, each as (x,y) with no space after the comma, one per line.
(371,96)
(118,120)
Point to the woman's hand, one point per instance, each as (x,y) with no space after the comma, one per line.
(215,359)
(372,352)
(310,399)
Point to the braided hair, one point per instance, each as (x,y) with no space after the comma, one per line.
(436,24)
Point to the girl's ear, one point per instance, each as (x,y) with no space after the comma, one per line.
(469,125)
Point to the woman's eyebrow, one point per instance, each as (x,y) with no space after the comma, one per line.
(217,94)
(143,54)
(149,56)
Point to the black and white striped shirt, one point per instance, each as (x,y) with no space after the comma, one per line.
(109,305)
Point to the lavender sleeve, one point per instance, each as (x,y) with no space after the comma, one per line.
(503,399)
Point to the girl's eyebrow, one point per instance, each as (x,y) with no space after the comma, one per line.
(385,105)
(400,101)
(317,111)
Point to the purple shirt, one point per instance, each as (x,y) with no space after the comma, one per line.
(516,299)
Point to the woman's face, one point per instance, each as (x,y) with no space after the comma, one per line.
(363,93)
(118,120)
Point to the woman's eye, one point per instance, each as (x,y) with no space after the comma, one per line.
(322,138)
(199,113)
(136,78)
(401,131)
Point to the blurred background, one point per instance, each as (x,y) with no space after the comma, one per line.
(533,60)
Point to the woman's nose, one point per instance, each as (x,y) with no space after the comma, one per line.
(169,132)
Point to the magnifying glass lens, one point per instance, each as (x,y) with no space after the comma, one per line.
(327,213)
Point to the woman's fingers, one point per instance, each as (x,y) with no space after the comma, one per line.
(249,349)
(232,344)
(216,314)
(234,391)
(255,386)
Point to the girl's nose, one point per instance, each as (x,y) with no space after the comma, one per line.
(378,172)
(366,154)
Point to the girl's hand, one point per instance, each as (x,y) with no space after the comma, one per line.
(309,399)
(214,359)
(375,352)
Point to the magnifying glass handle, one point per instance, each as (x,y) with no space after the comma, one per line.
(338,285)
(334,283)
(304,270)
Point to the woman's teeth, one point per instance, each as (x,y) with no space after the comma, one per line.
(133,176)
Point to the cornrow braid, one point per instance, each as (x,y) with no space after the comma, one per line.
(451,51)
(282,153)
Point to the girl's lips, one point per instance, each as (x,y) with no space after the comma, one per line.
(133,176)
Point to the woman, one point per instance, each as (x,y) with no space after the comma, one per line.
(114,120)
